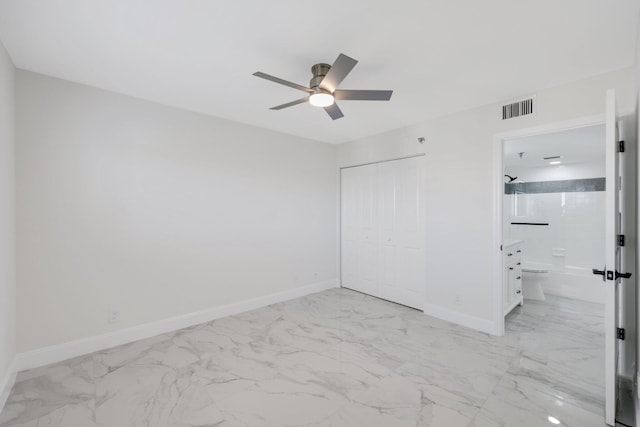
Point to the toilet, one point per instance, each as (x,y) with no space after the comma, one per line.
(533,276)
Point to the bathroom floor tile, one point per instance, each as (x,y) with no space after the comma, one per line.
(524,402)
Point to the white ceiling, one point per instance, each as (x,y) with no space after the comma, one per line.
(439,56)
(581,145)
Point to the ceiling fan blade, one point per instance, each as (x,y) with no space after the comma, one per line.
(334,111)
(290,104)
(338,72)
(282,82)
(363,95)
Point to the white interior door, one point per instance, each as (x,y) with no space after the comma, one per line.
(383,230)
(613,256)
(368,244)
(359,220)
(402,273)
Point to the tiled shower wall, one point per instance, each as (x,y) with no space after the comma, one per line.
(571,201)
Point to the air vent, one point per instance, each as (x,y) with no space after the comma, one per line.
(517,109)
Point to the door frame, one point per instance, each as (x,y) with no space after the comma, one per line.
(499,141)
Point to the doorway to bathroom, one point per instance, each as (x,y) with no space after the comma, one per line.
(554,214)
(554,208)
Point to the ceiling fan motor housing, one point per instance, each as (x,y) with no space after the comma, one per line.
(318,71)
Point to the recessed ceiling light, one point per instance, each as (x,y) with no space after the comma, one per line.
(555,162)
(553,420)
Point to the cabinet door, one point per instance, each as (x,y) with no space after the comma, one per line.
(517,284)
(402,239)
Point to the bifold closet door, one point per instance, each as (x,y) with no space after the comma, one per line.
(401,274)
(360,228)
(383,230)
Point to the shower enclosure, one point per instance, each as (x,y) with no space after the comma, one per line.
(560,222)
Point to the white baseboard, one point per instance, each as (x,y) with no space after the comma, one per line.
(472,322)
(57,353)
(6,383)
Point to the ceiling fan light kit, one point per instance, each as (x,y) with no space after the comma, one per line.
(323,87)
(321,99)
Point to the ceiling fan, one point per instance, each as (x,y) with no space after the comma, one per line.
(323,88)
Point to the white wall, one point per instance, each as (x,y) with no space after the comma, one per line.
(7,222)
(156,212)
(461,191)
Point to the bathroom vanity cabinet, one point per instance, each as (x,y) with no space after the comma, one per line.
(512,280)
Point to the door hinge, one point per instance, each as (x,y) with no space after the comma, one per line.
(621,146)
(620,239)
(620,333)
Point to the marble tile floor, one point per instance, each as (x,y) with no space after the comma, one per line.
(335,358)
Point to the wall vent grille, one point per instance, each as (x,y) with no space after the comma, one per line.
(517,109)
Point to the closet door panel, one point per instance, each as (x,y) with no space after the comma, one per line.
(383,230)
(368,238)
(359,230)
(387,185)
(402,229)
(411,232)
